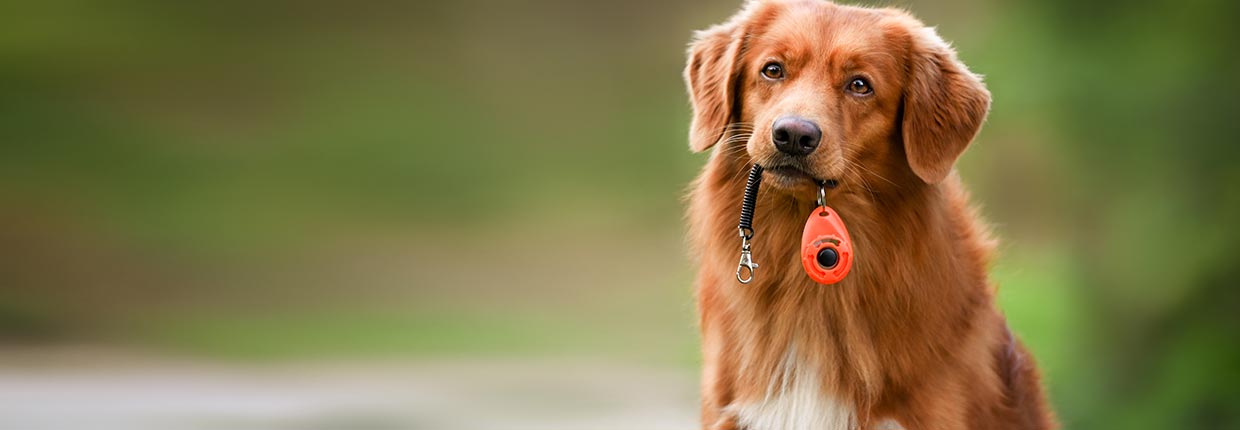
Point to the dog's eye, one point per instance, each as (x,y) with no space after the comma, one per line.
(860,86)
(773,70)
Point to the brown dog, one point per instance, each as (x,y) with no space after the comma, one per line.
(911,337)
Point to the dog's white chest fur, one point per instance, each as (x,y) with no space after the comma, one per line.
(797,400)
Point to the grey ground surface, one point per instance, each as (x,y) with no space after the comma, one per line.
(82,388)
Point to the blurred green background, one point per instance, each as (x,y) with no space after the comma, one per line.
(276,182)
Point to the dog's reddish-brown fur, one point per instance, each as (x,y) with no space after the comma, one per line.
(912,333)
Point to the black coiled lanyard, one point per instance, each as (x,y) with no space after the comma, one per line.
(745,270)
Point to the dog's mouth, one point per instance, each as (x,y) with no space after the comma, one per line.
(793,176)
(790,174)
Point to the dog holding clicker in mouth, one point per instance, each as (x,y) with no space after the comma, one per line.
(876,102)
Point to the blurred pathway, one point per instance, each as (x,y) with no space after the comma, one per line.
(88,389)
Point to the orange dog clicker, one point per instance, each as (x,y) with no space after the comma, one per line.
(826,250)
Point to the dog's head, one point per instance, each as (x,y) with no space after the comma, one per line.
(818,91)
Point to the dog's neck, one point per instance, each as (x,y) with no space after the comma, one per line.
(920,263)
(888,221)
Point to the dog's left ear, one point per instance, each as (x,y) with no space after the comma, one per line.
(944,106)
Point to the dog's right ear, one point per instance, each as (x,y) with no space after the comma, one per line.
(711,76)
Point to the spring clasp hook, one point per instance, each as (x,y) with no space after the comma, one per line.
(746,268)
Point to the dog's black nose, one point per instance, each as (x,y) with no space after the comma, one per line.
(795,136)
